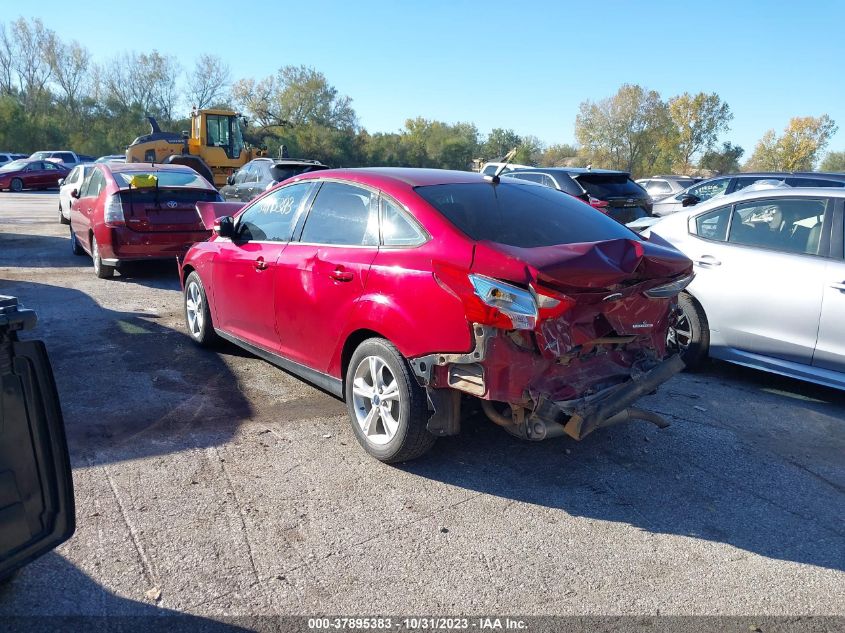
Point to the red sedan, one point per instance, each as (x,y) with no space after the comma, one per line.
(31,174)
(405,291)
(130,212)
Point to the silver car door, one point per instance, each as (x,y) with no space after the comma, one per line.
(830,347)
(760,289)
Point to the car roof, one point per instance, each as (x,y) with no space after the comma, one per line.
(410,176)
(574,170)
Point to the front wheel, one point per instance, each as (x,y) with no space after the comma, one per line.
(690,336)
(197,312)
(100,269)
(62,218)
(387,408)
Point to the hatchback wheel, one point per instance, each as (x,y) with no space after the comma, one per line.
(16,184)
(387,407)
(62,217)
(100,269)
(690,336)
(197,313)
(75,246)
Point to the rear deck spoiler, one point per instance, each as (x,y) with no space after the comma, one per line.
(211,211)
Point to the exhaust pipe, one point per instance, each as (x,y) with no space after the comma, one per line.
(635,413)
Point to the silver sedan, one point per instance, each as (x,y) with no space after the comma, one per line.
(769,290)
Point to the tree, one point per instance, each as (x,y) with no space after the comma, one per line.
(558,155)
(797,149)
(834,161)
(619,131)
(31,45)
(698,119)
(499,142)
(528,152)
(70,65)
(723,161)
(208,81)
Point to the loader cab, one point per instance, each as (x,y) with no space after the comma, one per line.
(218,128)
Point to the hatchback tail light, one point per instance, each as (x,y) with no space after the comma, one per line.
(601,205)
(497,303)
(113,213)
(671,289)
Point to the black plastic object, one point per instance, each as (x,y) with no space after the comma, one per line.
(36,487)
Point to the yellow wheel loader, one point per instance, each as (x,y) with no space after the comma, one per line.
(214,147)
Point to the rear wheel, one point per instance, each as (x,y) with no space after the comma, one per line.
(387,408)
(100,269)
(197,312)
(16,185)
(75,246)
(690,335)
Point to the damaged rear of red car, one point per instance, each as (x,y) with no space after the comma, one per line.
(570,312)
(406,291)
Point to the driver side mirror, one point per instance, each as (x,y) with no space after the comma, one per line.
(688,200)
(61,182)
(225,226)
(74,193)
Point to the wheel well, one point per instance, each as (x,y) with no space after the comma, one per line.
(187,270)
(351,344)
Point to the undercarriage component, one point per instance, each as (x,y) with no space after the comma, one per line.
(445,405)
(612,405)
(468,378)
(535,427)
(423,366)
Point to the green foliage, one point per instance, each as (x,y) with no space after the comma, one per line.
(797,149)
(834,161)
(698,120)
(722,161)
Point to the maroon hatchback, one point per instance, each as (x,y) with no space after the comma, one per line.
(135,211)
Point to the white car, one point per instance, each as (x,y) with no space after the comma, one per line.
(72,181)
(67,158)
(769,290)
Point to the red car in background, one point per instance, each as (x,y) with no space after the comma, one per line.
(31,174)
(405,290)
(134,211)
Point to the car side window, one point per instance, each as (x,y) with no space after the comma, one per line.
(93,185)
(397,229)
(48,166)
(783,224)
(659,186)
(271,218)
(71,177)
(714,224)
(814,182)
(342,215)
(243,174)
(707,190)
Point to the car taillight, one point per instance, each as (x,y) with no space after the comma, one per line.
(671,289)
(113,213)
(601,205)
(493,302)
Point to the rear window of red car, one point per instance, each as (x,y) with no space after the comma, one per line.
(522,215)
(165,178)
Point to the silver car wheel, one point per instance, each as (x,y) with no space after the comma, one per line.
(679,336)
(376,399)
(194,309)
(95,255)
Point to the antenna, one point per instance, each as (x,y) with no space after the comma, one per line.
(508,157)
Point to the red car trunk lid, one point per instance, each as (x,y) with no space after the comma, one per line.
(164,209)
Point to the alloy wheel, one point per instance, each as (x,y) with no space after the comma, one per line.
(679,336)
(194,309)
(376,399)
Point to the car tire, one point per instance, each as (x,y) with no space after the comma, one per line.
(16,185)
(197,312)
(75,246)
(62,218)
(692,326)
(373,369)
(100,269)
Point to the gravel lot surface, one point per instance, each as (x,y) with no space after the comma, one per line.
(221,485)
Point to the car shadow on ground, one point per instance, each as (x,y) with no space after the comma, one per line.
(129,386)
(38,251)
(78,603)
(715,474)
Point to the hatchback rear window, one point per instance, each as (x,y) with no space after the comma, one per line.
(522,215)
(165,178)
(604,186)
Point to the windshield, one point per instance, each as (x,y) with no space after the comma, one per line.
(522,215)
(40,155)
(165,178)
(15,165)
(604,186)
(224,131)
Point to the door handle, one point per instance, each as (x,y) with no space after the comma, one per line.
(707,261)
(840,287)
(341,274)
(260,264)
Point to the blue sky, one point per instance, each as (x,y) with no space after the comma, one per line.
(520,65)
